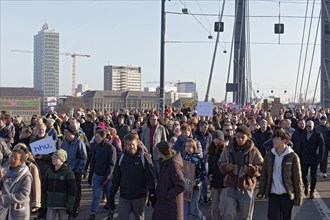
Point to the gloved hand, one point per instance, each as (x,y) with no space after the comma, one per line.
(112,204)
(152,200)
(105,181)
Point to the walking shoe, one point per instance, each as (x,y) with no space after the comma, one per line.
(92,216)
(306,191)
(311,195)
(110,215)
(324,175)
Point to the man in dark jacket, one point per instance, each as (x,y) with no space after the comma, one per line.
(89,126)
(324,129)
(122,128)
(5,133)
(296,136)
(263,134)
(311,153)
(135,176)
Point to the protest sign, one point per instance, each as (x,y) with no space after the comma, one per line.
(204,109)
(43,146)
(189,179)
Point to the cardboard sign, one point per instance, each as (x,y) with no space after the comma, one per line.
(43,146)
(189,180)
(204,109)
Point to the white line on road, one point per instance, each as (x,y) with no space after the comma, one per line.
(114,216)
(321,206)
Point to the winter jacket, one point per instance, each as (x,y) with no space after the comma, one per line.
(5,152)
(217,176)
(57,124)
(296,138)
(133,178)
(16,194)
(88,128)
(238,178)
(169,191)
(311,151)
(159,135)
(103,160)
(51,132)
(291,176)
(77,155)
(261,138)
(6,134)
(180,142)
(325,131)
(59,189)
(45,161)
(204,139)
(122,130)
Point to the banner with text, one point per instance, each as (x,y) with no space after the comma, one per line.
(43,146)
(204,109)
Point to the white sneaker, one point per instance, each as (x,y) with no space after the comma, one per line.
(324,175)
(320,174)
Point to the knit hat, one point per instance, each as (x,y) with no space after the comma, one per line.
(323,117)
(218,134)
(164,147)
(72,129)
(61,154)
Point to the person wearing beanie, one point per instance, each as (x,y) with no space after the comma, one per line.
(216,178)
(58,193)
(170,184)
(242,162)
(77,158)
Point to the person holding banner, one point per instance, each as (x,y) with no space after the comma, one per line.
(191,155)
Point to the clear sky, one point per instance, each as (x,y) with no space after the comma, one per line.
(126,32)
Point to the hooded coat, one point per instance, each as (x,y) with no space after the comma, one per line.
(169,191)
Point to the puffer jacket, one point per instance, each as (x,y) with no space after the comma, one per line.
(238,178)
(291,175)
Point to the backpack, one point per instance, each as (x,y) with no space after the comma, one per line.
(141,156)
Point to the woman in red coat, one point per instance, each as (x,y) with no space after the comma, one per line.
(170,187)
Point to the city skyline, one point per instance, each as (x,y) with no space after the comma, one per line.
(128,33)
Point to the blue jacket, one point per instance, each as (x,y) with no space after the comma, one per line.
(179,145)
(77,155)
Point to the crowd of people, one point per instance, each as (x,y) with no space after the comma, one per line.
(142,154)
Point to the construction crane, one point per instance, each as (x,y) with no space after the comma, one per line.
(73,55)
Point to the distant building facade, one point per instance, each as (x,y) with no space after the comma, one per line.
(187,87)
(66,103)
(24,102)
(81,88)
(46,63)
(116,100)
(122,78)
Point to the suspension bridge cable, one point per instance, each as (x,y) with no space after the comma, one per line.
(249,69)
(231,51)
(203,14)
(301,49)
(312,59)
(240,93)
(317,81)
(306,53)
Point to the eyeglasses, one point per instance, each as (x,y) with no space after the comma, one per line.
(308,126)
(228,130)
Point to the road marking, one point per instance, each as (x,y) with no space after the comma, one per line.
(321,206)
(114,216)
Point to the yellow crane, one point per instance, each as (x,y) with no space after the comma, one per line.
(73,55)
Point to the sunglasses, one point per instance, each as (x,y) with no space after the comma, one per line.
(228,130)
(308,126)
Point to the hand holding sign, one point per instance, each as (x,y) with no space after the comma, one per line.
(43,146)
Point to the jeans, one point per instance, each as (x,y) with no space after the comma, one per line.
(205,182)
(135,206)
(218,202)
(98,189)
(239,204)
(51,214)
(304,171)
(191,208)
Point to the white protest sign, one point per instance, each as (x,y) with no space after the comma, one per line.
(204,109)
(43,146)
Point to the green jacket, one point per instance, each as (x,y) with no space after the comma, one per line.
(59,188)
(291,175)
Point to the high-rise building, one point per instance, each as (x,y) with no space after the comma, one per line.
(122,78)
(187,87)
(46,63)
